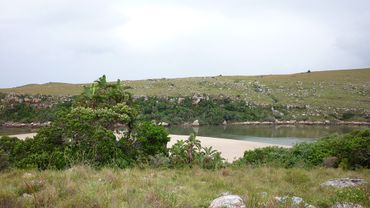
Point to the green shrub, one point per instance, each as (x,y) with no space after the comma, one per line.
(352,151)
(152,139)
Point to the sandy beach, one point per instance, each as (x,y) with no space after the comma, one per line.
(230,149)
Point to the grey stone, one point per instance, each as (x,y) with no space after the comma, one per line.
(228,201)
(25,195)
(163,123)
(195,123)
(296,200)
(346,205)
(344,182)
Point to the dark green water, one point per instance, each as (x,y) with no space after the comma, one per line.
(12,131)
(285,135)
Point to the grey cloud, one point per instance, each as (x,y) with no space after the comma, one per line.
(76,41)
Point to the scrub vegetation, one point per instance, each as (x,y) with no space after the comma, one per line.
(100,152)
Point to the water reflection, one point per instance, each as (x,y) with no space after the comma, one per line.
(13,131)
(287,135)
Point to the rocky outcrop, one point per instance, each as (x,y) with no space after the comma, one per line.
(344,182)
(25,125)
(35,101)
(195,123)
(346,205)
(227,200)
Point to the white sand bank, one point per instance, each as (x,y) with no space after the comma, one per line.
(230,149)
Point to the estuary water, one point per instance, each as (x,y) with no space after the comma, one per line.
(283,135)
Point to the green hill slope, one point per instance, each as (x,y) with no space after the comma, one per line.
(324,89)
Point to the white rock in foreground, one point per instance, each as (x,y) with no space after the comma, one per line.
(228,201)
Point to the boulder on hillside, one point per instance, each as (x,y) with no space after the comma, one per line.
(195,123)
(163,123)
(227,200)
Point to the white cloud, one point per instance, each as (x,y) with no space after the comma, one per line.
(150,27)
(78,40)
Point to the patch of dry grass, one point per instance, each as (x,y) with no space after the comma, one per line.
(82,186)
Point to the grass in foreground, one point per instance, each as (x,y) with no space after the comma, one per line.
(82,186)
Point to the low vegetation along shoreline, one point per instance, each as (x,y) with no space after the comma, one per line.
(246,123)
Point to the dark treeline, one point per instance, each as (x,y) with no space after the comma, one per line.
(178,111)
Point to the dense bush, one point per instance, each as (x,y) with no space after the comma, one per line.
(85,134)
(152,139)
(213,111)
(352,151)
(24,113)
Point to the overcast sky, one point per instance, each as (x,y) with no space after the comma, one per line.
(77,41)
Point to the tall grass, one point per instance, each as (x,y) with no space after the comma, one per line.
(82,186)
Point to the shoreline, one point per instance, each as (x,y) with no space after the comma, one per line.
(308,123)
(230,149)
(241,123)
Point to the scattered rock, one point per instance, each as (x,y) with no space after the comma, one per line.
(344,182)
(297,200)
(294,201)
(180,100)
(195,123)
(346,205)
(281,199)
(25,195)
(226,200)
(163,123)
(28,175)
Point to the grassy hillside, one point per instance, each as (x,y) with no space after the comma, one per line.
(324,89)
(82,186)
